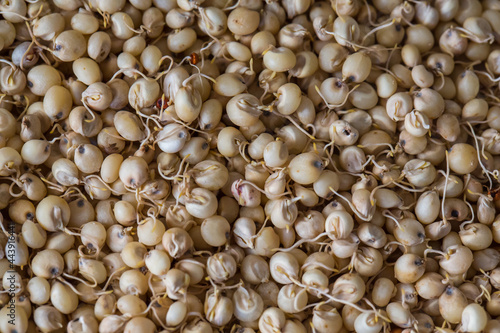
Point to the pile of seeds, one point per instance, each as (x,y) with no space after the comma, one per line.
(202,166)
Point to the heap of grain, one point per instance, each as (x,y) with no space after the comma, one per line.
(201,166)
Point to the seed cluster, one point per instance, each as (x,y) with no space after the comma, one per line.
(294,166)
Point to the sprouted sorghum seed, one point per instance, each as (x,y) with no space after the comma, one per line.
(240,166)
